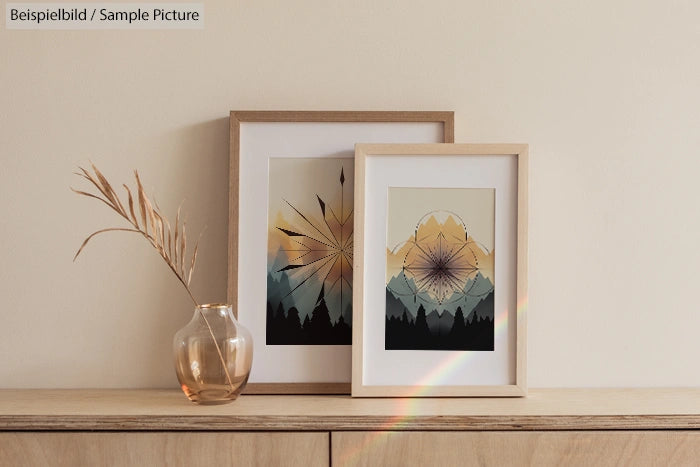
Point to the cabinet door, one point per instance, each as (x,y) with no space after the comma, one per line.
(155,449)
(544,448)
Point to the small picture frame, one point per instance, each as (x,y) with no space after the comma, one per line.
(440,271)
(290,236)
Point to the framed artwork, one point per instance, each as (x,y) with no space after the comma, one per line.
(440,278)
(291,234)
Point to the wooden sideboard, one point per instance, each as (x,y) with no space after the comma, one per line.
(161,427)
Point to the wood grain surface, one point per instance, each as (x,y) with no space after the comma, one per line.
(156,449)
(543,409)
(600,449)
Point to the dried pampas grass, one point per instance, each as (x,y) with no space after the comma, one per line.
(145,219)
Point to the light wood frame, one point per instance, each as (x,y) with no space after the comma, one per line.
(362,153)
(446,119)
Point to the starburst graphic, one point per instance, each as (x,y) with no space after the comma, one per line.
(441,261)
(322,248)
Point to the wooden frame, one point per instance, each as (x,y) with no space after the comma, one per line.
(315,124)
(371,163)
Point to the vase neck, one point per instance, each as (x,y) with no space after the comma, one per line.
(220,310)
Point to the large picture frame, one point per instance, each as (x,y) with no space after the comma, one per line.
(440,276)
(265,140)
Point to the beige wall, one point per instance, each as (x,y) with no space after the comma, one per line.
(606,93)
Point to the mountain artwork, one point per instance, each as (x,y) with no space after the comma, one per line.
(309,257)
(440,269)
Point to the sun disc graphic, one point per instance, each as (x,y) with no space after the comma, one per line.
(441,261)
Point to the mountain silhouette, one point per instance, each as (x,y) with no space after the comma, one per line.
(395,307)
(475,290)
(402,288)
(277,289)
(347,315)
(484,309)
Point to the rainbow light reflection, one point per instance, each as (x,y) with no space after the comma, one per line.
(407,406)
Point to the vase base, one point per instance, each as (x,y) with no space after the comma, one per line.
(223,394)
(214,402)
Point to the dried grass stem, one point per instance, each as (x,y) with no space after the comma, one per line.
(149,222)
(154,227)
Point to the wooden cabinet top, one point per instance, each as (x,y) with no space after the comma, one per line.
(543,409)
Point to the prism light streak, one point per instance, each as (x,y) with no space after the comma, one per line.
(407,406)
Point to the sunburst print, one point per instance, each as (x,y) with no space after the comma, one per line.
(310,252)
(440,262)
(440,269)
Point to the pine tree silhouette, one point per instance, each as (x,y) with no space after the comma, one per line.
(293,326)
(342,333)
(421,322)
(422,334)
(306,330)
(321,326)
(458,326)
(293,318)
(457,338)
(279,334)
(268,325)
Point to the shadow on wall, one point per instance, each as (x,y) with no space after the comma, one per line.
(200,156)
(203,150)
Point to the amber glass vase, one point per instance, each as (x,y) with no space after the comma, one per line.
(213,355)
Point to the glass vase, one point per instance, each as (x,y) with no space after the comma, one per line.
(213,355)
